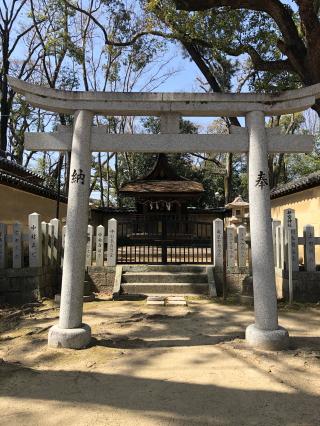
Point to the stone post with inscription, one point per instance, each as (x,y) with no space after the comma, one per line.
(275,224)
(218,245)
(112,243)
(242,247)
(45,243)
(35,240)
(309,253)
(89,248)
(265,333)
(231,257)
(3,245)
(17,246)
(71,332)
(100,246)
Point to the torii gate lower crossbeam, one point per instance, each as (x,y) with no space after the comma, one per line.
(265,333)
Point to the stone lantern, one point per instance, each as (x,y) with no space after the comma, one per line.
(240,212)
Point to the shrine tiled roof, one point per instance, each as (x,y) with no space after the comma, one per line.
(163,186)
(297,185)
(162,179)
(18,177)
(18,170)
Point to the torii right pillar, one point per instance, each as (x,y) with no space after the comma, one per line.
(265,333)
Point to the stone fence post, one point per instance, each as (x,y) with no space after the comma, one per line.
(45,242)
(231,258)
(50,244)
(56,240)
(275,224)
(309,248)
(89,249)
(112,243)
(63,241)
(16,246)
(294,249)
(100,245)
(35,240)
(218,245)
(242,247)
(3,245)
(278,231)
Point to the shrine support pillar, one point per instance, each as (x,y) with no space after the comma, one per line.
(71,332)
(265,333)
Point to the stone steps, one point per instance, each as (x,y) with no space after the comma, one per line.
(164,277)
(164,280)
(165,268)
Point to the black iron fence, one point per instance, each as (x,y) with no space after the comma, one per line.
(164,241)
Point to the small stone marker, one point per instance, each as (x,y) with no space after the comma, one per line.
(218,244)
(89,248)
(288,223)
(16,246)
(112,243)
(289,226)
(289,220)
(3,245)
(100,245)
(231,258)
(35,241)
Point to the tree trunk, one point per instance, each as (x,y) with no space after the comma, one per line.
(101,181)
(4,109)
(228,179)
(108,180)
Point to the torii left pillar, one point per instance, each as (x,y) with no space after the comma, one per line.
(265,333)
(71,332)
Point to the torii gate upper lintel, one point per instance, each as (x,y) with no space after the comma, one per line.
(84,138)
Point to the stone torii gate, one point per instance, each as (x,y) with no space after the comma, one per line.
(84,138)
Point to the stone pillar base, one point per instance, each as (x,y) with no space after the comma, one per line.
(269,340)
(72,338)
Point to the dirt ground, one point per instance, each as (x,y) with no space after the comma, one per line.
(159,366)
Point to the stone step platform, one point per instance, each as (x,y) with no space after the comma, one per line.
(165,268)
(177,288)
(165,277)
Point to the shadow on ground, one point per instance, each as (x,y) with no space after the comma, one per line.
(188,403)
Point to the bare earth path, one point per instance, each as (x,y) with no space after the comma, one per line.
(159,366)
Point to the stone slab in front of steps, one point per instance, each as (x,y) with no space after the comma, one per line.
(164,288)
(167,300)
(165,277)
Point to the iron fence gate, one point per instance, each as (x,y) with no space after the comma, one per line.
(164,241)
